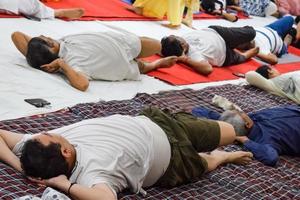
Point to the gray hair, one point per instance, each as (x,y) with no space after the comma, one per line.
(233,118)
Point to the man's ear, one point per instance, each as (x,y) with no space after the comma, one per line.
(66,152)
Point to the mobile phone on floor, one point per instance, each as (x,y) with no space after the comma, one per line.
(39,103)
(238,74)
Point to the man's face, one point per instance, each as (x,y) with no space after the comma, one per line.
(53,44)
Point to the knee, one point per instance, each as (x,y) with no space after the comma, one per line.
(251,32)
(289,20)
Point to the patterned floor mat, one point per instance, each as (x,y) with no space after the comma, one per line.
(254,181)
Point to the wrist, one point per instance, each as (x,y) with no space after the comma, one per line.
(69,189)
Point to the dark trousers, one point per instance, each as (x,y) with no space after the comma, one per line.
(233,37)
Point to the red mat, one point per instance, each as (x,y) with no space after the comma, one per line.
(289,67)
(107,10)
(181,74)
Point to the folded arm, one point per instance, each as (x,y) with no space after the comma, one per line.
(21,41)
(79,192)
(257,80)
(77,79)
(202,67)
(264,153)
(7,142)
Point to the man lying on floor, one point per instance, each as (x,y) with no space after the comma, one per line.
(34,8)
(267,133)
(273,40)
(82,57)
(269,79)
(212,46)
(103,156)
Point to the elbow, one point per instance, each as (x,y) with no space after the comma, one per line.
(207,71)
(271,161)
(15,35)
(271,158)
(273,60)
(82,87)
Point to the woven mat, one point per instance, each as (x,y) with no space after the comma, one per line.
(254,181)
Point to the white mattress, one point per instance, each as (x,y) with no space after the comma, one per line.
(19,81)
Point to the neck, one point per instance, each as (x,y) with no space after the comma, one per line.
(72,160)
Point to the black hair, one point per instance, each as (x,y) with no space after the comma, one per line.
(230,3)
(263,70)
(40,161)
(38,53)
(209,5)
(170,46)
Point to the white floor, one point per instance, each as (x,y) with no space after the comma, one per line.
(19,81)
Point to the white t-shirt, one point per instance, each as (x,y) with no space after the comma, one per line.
(206,45)
(268,41)
(286,85)
(27,7)
(120,151)
(102,55)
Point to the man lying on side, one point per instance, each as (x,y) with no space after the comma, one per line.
(111,56)
(97,158)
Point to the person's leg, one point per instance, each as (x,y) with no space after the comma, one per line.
(38,9)
(234,57)
(217,158)
(271,9)
(282,25)
(297,21)
(70,13)
(205,135)
(235,36)
(175,12)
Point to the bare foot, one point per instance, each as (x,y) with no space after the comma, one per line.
(136,10)
(251,52)
(237,157)
(165,62)
(187,22)
(72,13)
(171,26)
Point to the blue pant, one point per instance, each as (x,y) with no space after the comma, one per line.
(282,25)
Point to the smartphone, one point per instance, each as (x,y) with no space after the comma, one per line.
(39,103)
(238,74)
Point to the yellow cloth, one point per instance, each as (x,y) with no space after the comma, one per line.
(159,8)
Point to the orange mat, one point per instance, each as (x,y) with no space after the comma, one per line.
(107,10)
(181,74)
(289,67)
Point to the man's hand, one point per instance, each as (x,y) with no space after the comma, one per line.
(60,182)
(241,139)
(217,12)
(183,58)
(52,67)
